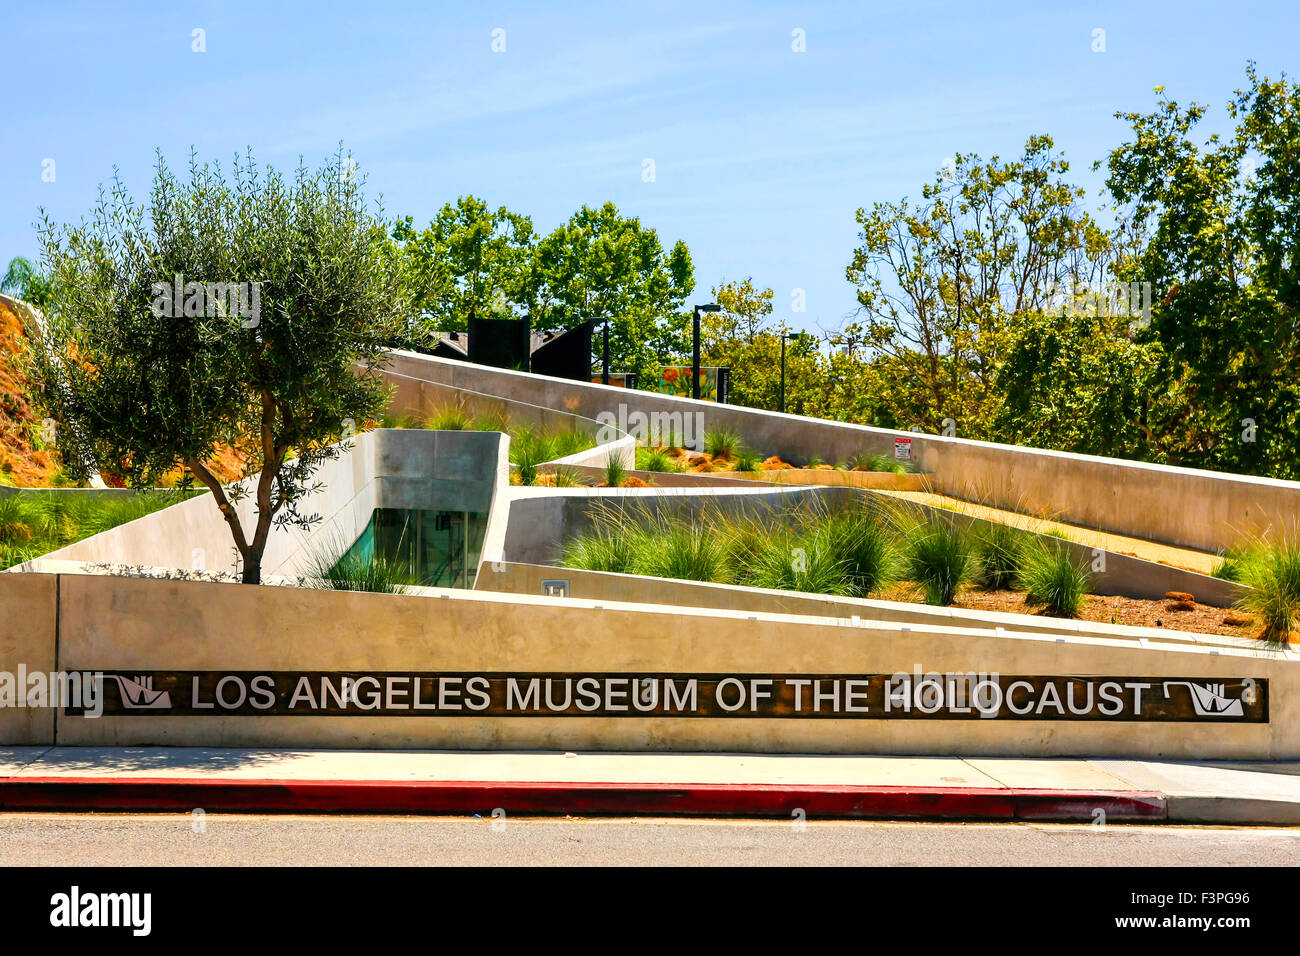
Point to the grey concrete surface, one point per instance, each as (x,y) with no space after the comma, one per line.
(1205,510)
(219,840)
(392,468)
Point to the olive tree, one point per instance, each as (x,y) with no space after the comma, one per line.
(242,311)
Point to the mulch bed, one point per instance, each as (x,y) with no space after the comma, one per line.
(1107,609)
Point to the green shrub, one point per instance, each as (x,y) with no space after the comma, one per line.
(615,473)
(938,559)
(747,460)
(566,477)
(494,421)
(722,442)
(861,545)
(449,418)
(1051,578)
(790,562)
(530,446)
(656,459)
(678,550)
(875,462)
(1273,575)
(997,556)
(600,550)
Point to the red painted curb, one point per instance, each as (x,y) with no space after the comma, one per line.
(458,797)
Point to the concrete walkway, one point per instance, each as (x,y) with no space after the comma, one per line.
(1088,790)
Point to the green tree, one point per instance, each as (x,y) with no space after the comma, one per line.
(939,282)
(745,311)
(25,281)
(1218,224)
(470,261)
(606,267)
(288,287)
(1076,382)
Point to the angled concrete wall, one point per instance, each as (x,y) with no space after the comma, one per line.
(1180,506)
(137,626)
(386,468)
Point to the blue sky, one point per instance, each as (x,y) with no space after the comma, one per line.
(762,155)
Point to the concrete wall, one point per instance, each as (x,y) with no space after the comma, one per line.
(1180,506)
(419,399)
(386,468)
(601,586)
(541,522)
(28,629)
(135,626)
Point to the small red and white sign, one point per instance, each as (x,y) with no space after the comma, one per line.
(902,449)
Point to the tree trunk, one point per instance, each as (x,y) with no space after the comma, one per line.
(252,573)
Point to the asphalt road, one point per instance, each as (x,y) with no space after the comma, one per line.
(198,840)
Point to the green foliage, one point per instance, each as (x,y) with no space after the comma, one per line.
(362,572)
(1050,577)
(938,559)
(450,418)
(1233,562)
(747,459)
(861,546)
(680,551)
(615,473)
(1273,575)
(1218,223)
(470,261)
(805,563)
(606,547)
(655,459)
(997,556)
(1076,383)
(603,266)
(721,441)
(939,280)
(566,477)
(139,390)
(875,462)
(24,281)
(34,523)
(530,446)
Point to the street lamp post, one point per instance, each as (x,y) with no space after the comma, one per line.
(784,336)
(695,348)
(604,361)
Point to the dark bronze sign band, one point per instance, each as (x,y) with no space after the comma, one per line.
(915,696)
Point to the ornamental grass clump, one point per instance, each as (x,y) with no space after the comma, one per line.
(615,473)
(1052,578)
(722,442)
(789,561)
(1273,576)
(656,459)
(601,549)
(938,559)
(449,418)
(679,550)
(858,542)
(997,556)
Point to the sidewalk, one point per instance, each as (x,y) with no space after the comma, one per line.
(821,787)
